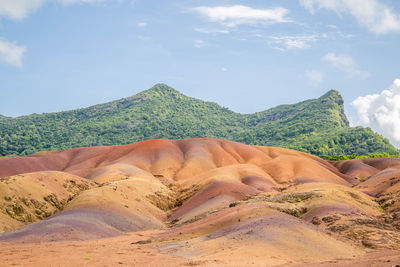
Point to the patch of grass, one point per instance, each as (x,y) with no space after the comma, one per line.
(233,204)
(141,242)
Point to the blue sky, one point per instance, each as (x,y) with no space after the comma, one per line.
(246,55)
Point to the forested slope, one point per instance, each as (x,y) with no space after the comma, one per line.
(318,126)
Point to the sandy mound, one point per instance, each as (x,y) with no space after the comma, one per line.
(253,230)
(356,168)
(128,205)
(31,197)
(175,159)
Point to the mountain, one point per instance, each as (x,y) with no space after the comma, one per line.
(318,126)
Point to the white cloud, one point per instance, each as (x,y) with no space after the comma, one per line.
(141,24)
(381,112)
(70,2)
(315,77)
(11,53)
(346,64)
(211,31)
(371,14)
(224,69)
(20,9)
(232,16)
(295,41)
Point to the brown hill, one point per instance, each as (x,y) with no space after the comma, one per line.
(205,201)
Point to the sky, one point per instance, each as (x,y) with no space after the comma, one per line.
(245,55)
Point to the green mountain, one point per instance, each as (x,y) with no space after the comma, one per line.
(318,126)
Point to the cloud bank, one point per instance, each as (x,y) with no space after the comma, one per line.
(371,14)
(232,16)
(381,112)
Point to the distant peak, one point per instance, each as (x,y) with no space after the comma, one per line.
(333,95)
(161,87)
(159,90)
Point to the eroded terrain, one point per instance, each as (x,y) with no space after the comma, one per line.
(197,202)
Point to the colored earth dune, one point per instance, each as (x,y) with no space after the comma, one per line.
(197,202)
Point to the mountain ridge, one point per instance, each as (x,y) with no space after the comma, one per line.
(318,126)
(172,91)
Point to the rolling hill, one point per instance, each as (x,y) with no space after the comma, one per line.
(318,126)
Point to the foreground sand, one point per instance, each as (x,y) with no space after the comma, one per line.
(197,202)
(119,251)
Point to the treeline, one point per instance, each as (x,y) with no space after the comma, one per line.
(356,156)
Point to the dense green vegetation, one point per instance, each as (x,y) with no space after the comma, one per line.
(356,156)
(318,126)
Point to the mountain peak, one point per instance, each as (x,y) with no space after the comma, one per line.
(161,89)
(335,101)
(333,96)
